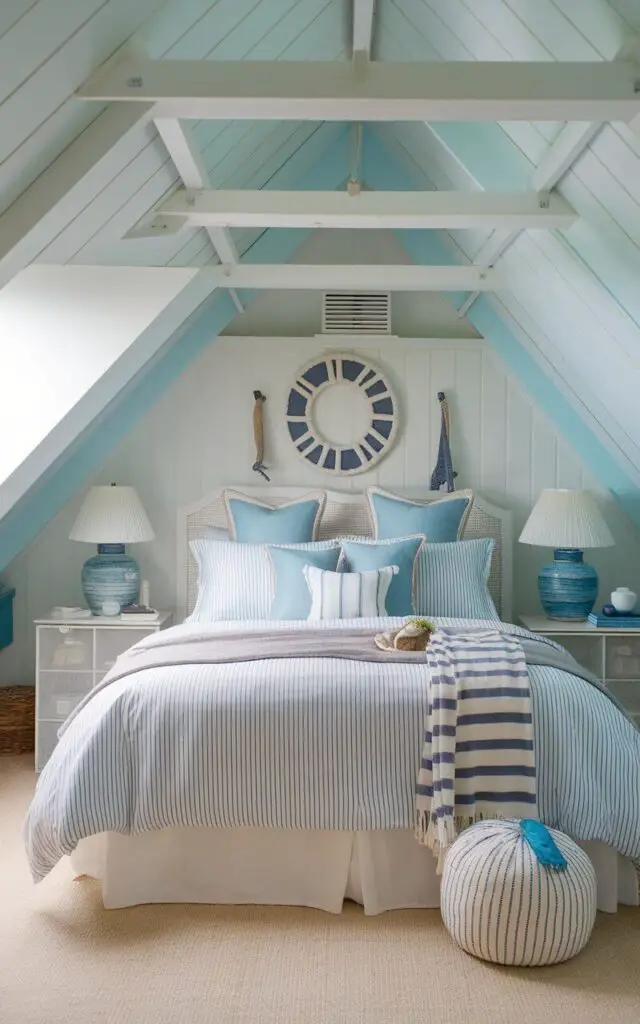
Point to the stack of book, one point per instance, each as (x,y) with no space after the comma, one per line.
(614,621)
(138,613)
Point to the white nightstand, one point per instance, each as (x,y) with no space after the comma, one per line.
(613,655)
(71,658)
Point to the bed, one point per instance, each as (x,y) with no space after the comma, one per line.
(263,856)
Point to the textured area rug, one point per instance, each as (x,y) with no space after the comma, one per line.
(65,960)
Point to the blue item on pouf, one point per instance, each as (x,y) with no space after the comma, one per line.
(568,586)
(516,892)
(542,843)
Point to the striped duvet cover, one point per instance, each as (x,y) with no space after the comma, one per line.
(308,744)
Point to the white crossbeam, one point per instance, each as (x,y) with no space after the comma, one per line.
(561,154)
(65,187)
(362,36)
(378,210)
(183,150)
(565,149)
(381,91)
(496,244)
(395,277)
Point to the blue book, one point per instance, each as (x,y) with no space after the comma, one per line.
(614,621)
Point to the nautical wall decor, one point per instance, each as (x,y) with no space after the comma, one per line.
(258,433)
(342,415)
(443,475)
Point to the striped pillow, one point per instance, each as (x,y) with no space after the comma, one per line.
(451,580)
(237,581)
(348,595)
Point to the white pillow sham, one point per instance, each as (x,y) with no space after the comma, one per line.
(237,581)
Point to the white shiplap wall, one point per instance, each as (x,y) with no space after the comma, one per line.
(199,435)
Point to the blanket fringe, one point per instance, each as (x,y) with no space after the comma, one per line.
(438,834)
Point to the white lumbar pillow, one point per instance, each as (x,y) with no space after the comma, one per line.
(348,595)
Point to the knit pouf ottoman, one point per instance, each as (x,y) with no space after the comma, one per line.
(514,892)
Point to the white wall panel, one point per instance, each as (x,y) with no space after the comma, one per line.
(199,435)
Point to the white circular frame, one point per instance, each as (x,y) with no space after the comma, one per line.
(310,382)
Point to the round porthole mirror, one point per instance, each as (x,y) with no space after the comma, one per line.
(341,414)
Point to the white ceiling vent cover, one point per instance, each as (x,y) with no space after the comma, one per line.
(356,313)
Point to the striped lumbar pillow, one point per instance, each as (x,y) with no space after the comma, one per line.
(348,595)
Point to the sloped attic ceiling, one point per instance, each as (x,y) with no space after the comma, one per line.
(589,271)
(76,177)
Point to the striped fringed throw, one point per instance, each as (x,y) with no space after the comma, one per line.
(478,755)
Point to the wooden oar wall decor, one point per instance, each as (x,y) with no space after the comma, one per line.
(258,433)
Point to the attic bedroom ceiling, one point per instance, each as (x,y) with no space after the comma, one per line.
(516,122)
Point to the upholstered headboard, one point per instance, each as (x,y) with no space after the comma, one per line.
(346,514)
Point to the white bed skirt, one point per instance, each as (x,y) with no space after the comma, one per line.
(383,870)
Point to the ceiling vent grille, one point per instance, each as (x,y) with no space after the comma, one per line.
(356,313)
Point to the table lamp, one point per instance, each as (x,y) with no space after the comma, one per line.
(111,516)
(569,522)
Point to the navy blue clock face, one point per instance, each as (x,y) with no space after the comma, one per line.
(368,389)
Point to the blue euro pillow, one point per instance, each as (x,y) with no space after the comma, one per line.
(440,520)
(292,598)
(253,522)
(365,555)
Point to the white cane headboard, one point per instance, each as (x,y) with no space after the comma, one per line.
(346,513)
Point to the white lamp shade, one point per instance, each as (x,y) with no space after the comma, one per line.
(566,519)
(112,515)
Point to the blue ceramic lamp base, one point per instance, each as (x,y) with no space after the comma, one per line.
(111,575)
(568,586)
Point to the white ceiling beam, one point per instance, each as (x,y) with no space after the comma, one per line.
(179,139)
(338,91)
(363,15)
(371,278)
(65,187)
(216,208)
(496,244)
(487,256)
(562,153)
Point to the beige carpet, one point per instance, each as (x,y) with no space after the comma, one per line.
(65,960)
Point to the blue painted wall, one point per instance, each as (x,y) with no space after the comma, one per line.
(82,459)
(381,171)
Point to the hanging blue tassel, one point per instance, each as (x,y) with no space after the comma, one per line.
(542,843)
(443,473)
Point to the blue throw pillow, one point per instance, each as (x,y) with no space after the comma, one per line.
(440,520)
(451,580)
(251,521)
(292,598)
(362,556)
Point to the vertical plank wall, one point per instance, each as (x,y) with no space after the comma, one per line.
(199,435)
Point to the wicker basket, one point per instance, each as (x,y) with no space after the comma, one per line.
(17,719)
